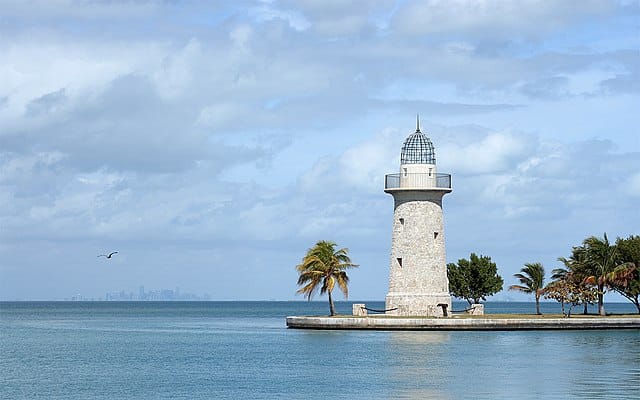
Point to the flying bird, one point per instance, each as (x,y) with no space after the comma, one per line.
(108,255)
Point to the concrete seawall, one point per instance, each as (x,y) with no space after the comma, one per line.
(461,324)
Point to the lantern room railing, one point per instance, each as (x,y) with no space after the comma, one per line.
(417,181)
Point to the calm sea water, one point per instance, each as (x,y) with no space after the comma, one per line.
(242,350)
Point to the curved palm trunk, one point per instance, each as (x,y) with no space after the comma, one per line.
(601,300)
(332,308)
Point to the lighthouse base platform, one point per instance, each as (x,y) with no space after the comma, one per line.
(463,323)
(408,304)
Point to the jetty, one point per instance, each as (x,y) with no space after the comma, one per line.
(485,322)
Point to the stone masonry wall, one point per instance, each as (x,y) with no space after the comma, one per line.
(418,274)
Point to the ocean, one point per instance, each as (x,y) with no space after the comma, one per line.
(243,350)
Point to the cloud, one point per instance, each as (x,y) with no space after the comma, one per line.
(175,74)
(48,10)
(632,185)
(495,152)
(550,88)
(627,83)
(124,128)
(358,169)
(48,103)
(339,19)
(492,18)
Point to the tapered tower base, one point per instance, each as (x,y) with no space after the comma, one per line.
(417,304)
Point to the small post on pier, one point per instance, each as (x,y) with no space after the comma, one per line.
(359,310)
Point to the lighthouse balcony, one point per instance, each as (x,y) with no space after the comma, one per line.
(417,181)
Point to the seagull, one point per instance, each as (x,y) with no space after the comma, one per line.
(108,255)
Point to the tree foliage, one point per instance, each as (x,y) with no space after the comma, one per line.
(599,260)
(531,279)
(600,266)
(625,278)
(474,279)
(574,271)
(571,291)
(322,268)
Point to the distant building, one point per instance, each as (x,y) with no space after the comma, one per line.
(152,295)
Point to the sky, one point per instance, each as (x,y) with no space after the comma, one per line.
(213,143)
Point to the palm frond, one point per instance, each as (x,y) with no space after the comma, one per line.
(309,276)
(342,279)
(531,277)
(524,289)
(308,290)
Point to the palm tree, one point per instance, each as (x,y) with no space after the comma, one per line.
(560,273)
(531,278)
(322,267)
(600,260)
(625,278)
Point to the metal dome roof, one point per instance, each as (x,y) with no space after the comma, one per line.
(417,149)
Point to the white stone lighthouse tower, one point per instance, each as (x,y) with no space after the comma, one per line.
(418,283)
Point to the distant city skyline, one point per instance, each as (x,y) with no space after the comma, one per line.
(154,295)
(140,294)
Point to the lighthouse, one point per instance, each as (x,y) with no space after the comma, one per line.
(418,284)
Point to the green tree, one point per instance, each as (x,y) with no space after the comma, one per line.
(474,279)
(625,278)
(322,268)
(600,259)
(531,279)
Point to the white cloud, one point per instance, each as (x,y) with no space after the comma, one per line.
(494,153)
(294,18)
(240,36)
(220,115)
(48,9)
(333,18)
(175,75)
(39,67)
(492,18)
(632,185)
(359,168)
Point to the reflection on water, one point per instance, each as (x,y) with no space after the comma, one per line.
(421,393)
(418,337)
(533,364)
(415,364)
(606,367)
